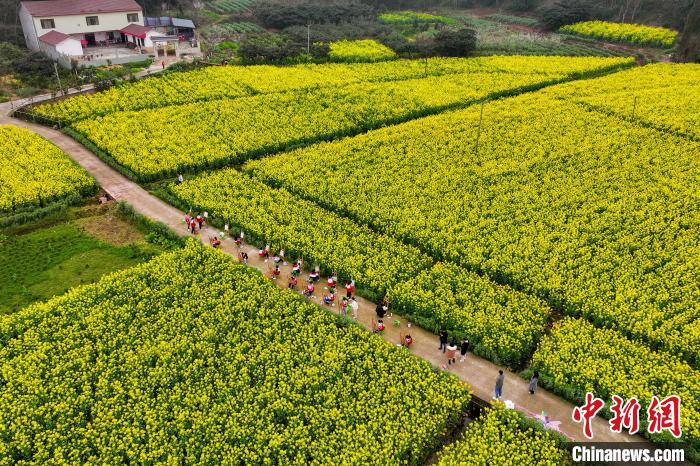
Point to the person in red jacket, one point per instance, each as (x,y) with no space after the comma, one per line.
(310,289)
(350,288)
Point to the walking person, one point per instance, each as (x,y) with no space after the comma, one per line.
(499,384)
(532,386)
(349,288)
(180,178)
(193,226)
(463,348)
(200,221)
(355,306)
(344,307)
(443,339)
(243,257)
(451,353)
(381,311)
(296,268)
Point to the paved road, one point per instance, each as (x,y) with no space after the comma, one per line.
(479,373)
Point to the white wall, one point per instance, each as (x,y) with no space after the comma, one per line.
(30,35)
(71,47)
(147,41)
(78,25)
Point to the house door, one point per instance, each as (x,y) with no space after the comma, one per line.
(90,38)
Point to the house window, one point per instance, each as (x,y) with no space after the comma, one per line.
(47,24)
(132,17)
(92,20)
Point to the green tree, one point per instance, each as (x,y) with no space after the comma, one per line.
(459,43)
(689,44)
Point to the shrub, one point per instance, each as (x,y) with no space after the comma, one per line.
(564,12)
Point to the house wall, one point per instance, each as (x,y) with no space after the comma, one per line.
(78,24)
(147,42)
(70,47)
(30,34)
(48,50)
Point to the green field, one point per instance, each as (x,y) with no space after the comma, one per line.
(239,27)
(47,258)
(230,6)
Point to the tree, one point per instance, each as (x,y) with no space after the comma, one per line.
(564,12)
(459,43)
(689,43)
(277,48)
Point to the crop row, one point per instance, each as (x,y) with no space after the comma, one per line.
(360,51)
(238,27)
(502,325)
(302,229)
(238,81)
(623,32)
(656,95)
(191,358)
(510,19)
(501,436)
(598,216)
(584,358)
(413,17)
(184,138)
(231,6)
(35,173)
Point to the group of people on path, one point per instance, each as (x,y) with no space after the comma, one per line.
(450,351)
(192,222)
(349,305)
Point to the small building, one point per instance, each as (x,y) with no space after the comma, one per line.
(92,22)
(183,28)
(55,44)
(140,36)
(100,32)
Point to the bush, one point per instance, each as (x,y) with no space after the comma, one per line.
(349,30)
(564,12)
(277,48)
(459,43)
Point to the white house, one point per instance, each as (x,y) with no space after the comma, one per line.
(91,22)
(141,36)
(54,44)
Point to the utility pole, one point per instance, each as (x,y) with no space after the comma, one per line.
(58,78)
(308,38)
(634,106)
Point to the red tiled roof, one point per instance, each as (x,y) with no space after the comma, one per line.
(79,7)
(136,30)
(54,37)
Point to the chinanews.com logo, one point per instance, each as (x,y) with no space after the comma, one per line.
(661,416)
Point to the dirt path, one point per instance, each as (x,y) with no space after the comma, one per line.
(479,373)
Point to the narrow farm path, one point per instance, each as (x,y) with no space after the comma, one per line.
(479,373)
